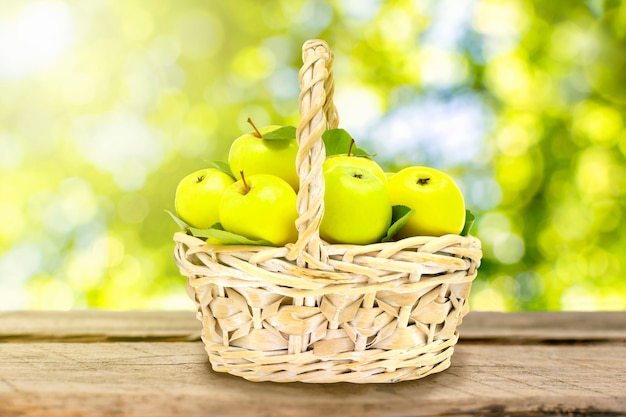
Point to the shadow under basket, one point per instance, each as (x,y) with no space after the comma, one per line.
(316,312)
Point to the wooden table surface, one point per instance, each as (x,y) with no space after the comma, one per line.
(105,363)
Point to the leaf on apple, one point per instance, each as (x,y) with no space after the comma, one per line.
(222,166)
(337,142)
(282,133)
(399,216)
(218,233)
(469,222)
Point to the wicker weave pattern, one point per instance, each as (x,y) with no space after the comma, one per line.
(315,312)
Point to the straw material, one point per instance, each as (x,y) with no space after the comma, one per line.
(316,312)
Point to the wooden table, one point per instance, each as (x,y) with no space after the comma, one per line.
(104,363)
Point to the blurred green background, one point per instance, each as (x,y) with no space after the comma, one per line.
(106,105)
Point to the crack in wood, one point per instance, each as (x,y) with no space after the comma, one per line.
(89,338)
(561,410)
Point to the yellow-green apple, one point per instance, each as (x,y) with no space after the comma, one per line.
(252,154)
(435,197)
(357,209)
(260,207)
(355,161)
(198,195)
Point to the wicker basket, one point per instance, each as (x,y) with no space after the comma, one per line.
(316,312)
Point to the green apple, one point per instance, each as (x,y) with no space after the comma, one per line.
(357,209)
(260,206)
(198,194)
(435,197)
(355,161)
(252,154)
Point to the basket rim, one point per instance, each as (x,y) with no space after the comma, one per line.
(372,247)
(354,269)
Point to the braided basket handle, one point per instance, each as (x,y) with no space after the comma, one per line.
(317,114)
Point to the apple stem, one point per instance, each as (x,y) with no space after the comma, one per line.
(423,181)
(245,184)
(256,131)
(350,147)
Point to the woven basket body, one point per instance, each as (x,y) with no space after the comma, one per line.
(316,312)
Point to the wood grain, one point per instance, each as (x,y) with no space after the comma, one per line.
(113,326)
(98,326)
(105,374)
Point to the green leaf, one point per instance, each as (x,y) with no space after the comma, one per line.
(469,222)
(399,216)
(218,233)
(337,142)
(282,133)
(222,166)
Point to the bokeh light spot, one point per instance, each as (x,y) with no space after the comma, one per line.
(200,34)
(12,152)
(122,144)
(35,38)
(442,69)
(361,10)
(360,106)
(515,173)
(254,63)
(508,248)
(396,26)
(571,221)
(513,140)
(601,124)
(595,173)
(485,194)
(501,23)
